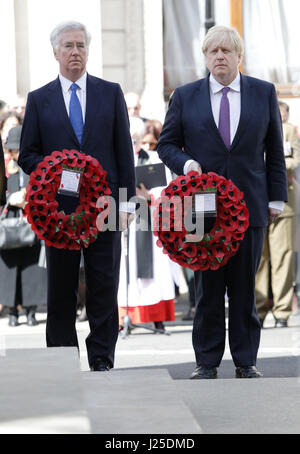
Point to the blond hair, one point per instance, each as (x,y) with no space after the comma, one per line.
(219,35)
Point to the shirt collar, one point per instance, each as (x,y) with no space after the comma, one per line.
(215,86)
(66,83)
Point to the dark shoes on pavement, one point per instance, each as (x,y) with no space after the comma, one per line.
(204,372)
(13,320)
(247,372)
(100,365)
(31,320)
(281,323)
(160,327)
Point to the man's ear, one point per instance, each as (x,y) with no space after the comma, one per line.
(240,59)
(55,53)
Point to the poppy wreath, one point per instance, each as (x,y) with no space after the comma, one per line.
(216,247)
(56,228)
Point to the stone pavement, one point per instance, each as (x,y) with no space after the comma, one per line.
(148,392)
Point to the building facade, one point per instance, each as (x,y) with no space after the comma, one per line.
(149,46)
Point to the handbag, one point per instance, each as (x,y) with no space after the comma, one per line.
(15,232)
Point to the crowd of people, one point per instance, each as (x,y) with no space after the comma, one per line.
(22,280)
(145,284)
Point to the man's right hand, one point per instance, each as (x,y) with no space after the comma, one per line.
(194,166)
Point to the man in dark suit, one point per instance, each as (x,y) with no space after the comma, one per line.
(79,111)
(230,124)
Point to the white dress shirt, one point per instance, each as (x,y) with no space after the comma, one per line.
(234,97)
(128,207)
(80,92)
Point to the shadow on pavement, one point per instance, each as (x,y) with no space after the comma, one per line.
(275,367)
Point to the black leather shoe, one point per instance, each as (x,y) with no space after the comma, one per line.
(160,326)
(203,372)
(247,372)
(13,320)
(281,323)
(100,365)
(31,320)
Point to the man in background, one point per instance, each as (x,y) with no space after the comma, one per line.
(276,273)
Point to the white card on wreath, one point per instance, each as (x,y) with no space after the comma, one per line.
(70,181)
(205,202)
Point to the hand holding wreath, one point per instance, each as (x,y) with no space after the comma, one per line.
(55,227)
(217,246)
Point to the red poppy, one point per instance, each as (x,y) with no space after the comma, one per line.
(234,246)
(202,252)
(34,188)
(222,236)
(238,236)
(223,213)
(243,214)
(190,250)
(58,155)
(217,251)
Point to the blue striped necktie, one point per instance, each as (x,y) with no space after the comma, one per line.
(75,113)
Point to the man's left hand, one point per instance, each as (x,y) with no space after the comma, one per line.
(273,214)
(125,219)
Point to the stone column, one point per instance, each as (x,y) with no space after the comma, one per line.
(8,85)
(135,63)
(152,98)
(123,43)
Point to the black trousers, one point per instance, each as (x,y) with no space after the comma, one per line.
(238,278)
(102,266)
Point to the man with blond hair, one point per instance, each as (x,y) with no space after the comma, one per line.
(229,124)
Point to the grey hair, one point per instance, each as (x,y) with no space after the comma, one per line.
(219,34)
(67,26)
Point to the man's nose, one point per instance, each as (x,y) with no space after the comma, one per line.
(220,54)
(75,50)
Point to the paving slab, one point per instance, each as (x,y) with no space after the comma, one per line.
(148,391)
(244,406)
(136,402)
(41,391)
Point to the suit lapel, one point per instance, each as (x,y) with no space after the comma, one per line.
(57,103)
(93,89)
(245,106)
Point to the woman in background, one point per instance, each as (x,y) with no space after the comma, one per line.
(22,281)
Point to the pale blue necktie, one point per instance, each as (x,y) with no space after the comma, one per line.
(224,118)
(75,113)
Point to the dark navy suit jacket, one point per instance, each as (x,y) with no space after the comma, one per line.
(106,134)
(255,162)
